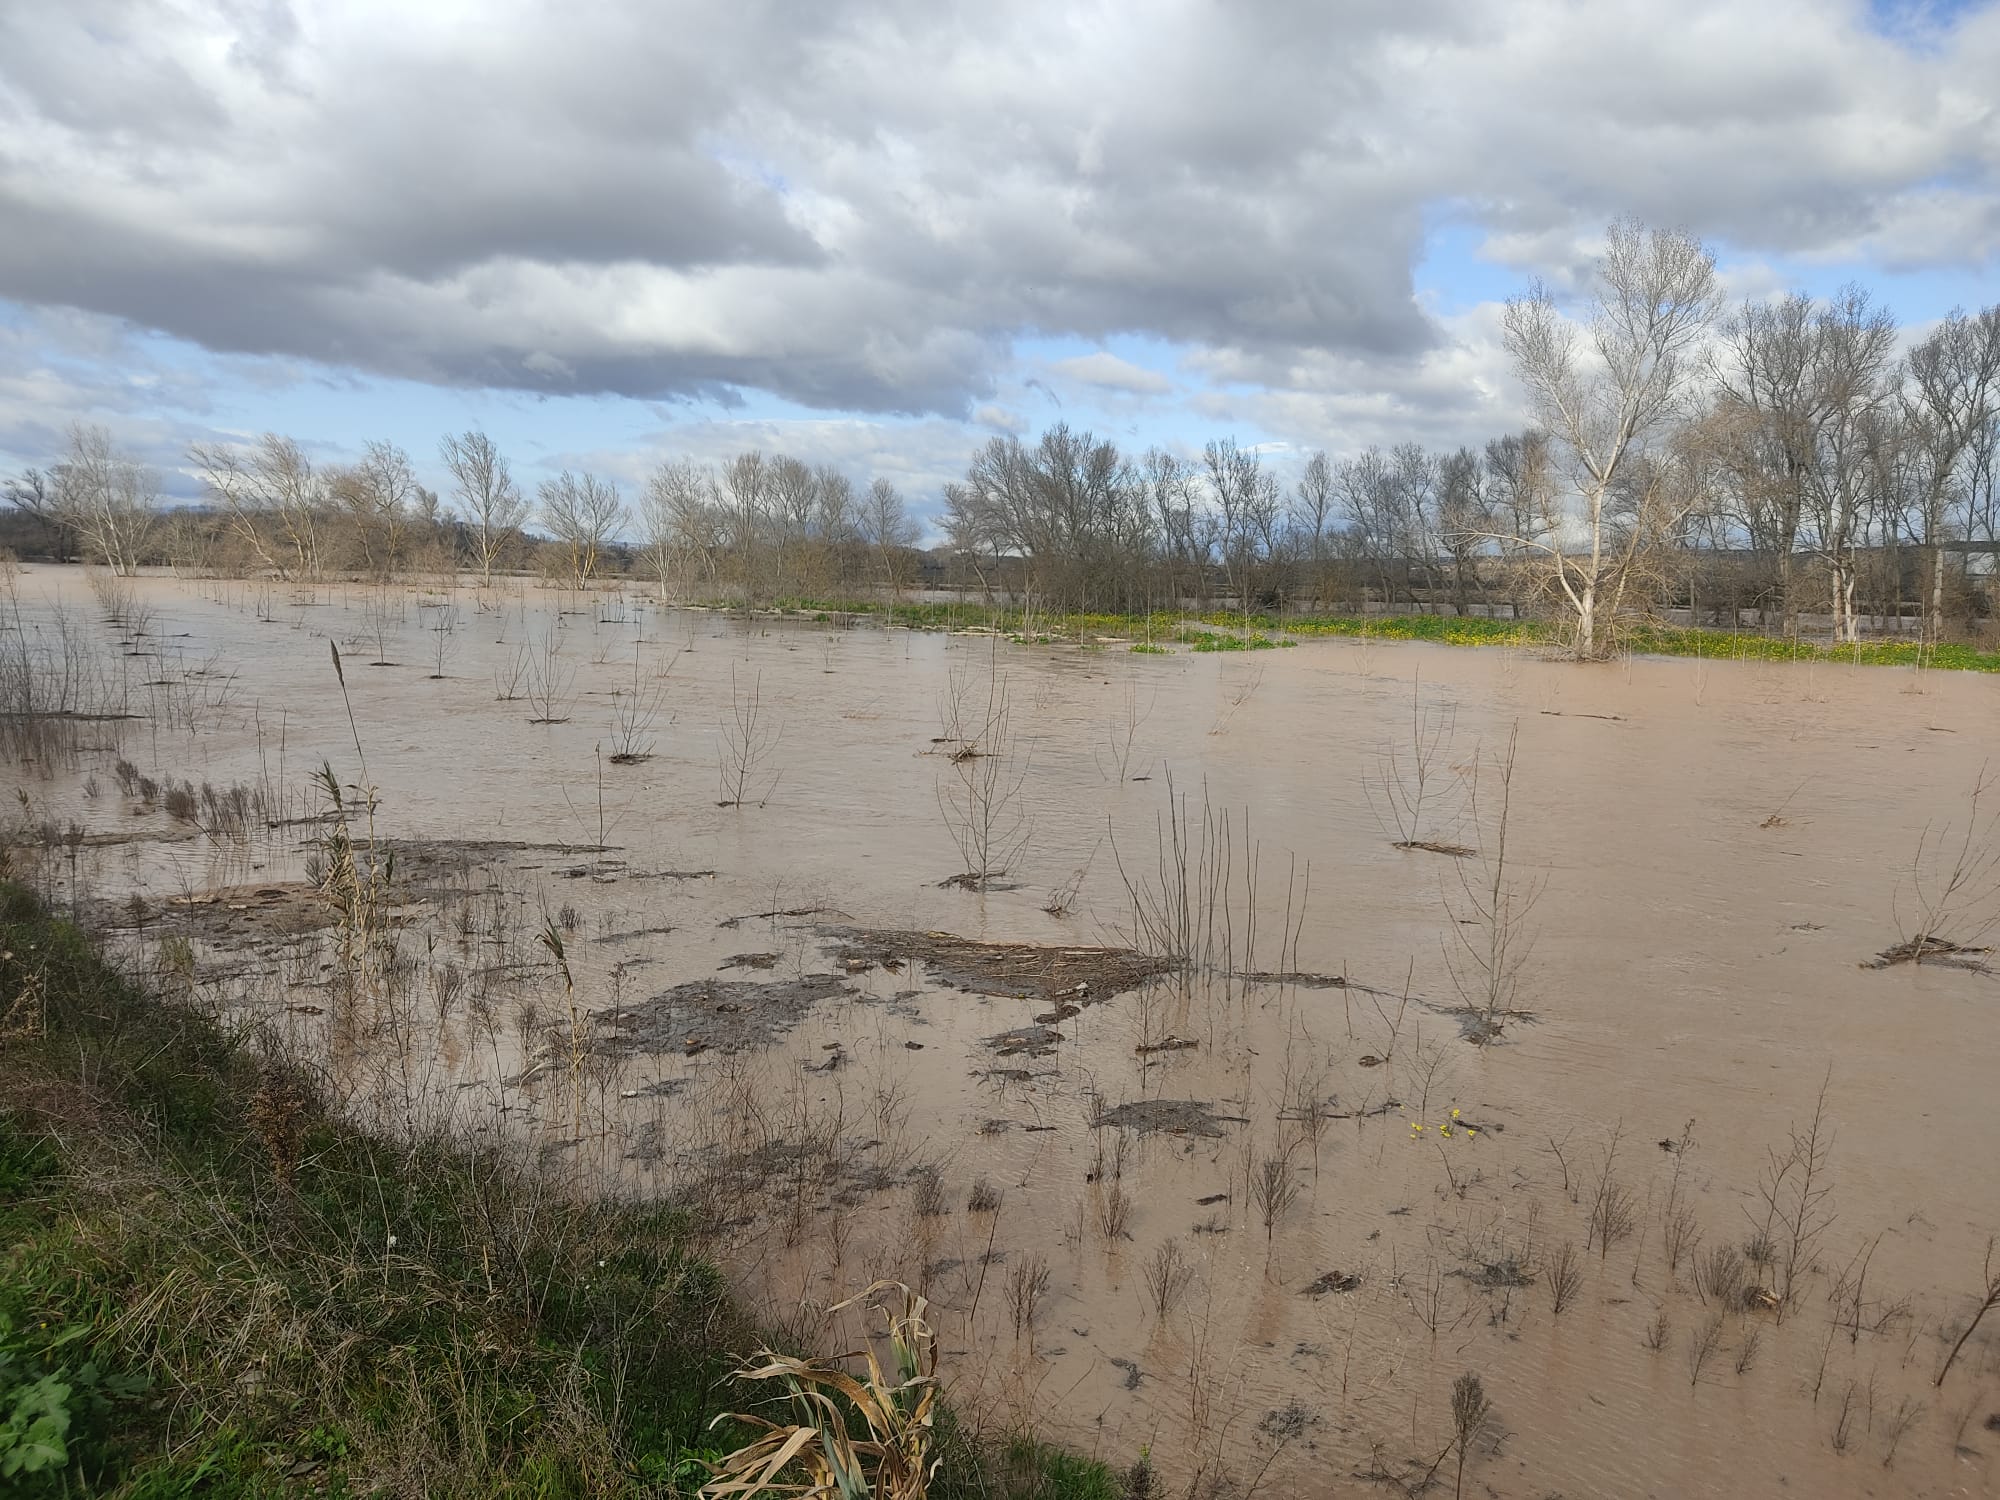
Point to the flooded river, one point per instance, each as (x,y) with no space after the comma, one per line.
(1237,1156)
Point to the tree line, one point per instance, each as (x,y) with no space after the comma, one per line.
(1766,457)
(1789,456)
(759,525)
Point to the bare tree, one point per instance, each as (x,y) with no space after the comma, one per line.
(105,498)
(890,532)
(1070,508)
(1464,521)
(1366,486)
(1180,523)
(1853,343)
(1766,396)
(584,514)
(980,791)
(32,494)
(794,497)
(1951,395)
(1605,391)
(488,499)
(678,521)
(1520,496)
(1245,496)
(273,499)
(836,518)
(1312,516)
(746,482)
(381,497)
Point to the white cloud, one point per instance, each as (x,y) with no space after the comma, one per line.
(1111,373)
(860,206)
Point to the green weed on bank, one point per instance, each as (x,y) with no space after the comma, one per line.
(1646,639)
(209,1285)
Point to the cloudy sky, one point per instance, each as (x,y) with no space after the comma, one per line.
(613,230)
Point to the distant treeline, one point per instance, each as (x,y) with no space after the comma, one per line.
(1782,460)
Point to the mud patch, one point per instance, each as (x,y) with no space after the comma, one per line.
(1170,1116)
(1026,1041)
(1330,1282)
(1499,1275)
(232,913)
(723,1015)
(1018,971)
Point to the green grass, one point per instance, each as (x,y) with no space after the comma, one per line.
(1263,631)
(1642,638)
(210,1285)
(1664,640)
(1450,630)
(1209,640)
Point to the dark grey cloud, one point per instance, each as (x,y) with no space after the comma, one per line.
(860,206)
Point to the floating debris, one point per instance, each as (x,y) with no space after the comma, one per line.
(1029,1041)
(726,1014)
(1332,1281)
(1021,971)
(1173,1116)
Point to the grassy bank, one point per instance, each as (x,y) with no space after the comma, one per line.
(1642,639)
(1160,629)
(209,1285)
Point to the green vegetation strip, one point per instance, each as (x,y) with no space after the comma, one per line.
(210,1285)
(1259,631)
(1642,639)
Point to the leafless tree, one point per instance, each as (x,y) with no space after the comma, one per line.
(1951,396)
(1312,517)
(1070,508)
(794,500)
(746,484)
(1766,395)
(1520,497)
(1853,344)
(890,532)
(584,514)
(381,499)
(490,503)
(678,521)
(745,742)
(32,493)
(1605,391)
(1464,521)
(1491,932)
(274,499)
(105,498)
(980,792)
(1246,500)
(1989,1298)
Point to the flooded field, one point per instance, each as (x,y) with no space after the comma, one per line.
(1237,1048)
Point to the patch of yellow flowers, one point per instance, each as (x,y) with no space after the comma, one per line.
(1448,1129)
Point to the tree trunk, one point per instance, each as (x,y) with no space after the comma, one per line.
(1937,593)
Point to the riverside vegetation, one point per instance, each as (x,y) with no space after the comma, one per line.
(1797,462)
(215,1285)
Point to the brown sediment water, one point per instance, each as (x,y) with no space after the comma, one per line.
(780,1007)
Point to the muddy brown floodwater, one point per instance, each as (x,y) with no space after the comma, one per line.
(1253,1213)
